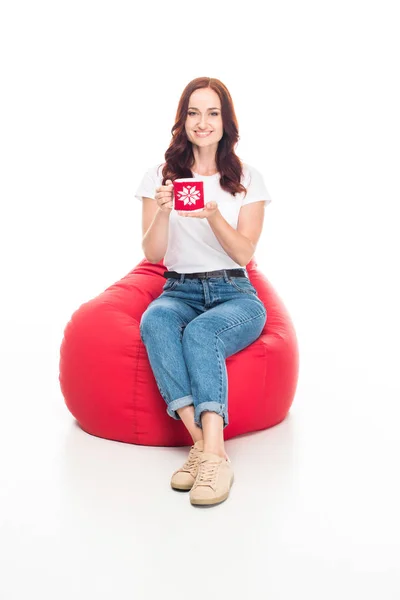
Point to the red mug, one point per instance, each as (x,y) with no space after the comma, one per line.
(188,194)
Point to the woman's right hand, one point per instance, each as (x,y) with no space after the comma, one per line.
(164,196)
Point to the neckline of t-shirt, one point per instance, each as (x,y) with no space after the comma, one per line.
(207,176)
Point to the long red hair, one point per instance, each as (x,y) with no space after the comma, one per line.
(179,156)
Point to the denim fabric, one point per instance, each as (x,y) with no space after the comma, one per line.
(189,331)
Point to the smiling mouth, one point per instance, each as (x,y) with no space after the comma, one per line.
(203,133)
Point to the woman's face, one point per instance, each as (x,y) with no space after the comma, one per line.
(203,124)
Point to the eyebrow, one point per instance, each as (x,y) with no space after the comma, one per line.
(212,108)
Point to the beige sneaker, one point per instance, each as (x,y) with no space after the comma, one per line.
(184,478)
(214,480)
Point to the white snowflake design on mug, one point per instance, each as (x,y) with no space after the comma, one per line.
(189,194)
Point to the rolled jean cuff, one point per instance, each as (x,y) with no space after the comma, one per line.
(173,406)
(220,409)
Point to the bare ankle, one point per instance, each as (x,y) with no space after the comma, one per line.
(196,439)
(219,451)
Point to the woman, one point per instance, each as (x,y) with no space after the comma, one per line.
(208,309)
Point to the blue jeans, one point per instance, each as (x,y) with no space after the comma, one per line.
(189,331)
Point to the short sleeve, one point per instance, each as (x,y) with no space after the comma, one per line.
(148,185)
(256,189)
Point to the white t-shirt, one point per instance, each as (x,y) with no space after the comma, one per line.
(192,244)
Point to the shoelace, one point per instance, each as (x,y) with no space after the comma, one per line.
(192,461)
(207,473)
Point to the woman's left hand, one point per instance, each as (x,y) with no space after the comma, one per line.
(208,211)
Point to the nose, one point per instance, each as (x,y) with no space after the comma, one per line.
(202,123)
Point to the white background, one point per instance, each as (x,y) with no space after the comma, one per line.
(89,93)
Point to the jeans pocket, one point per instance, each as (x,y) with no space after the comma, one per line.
(170,284)
(242,284)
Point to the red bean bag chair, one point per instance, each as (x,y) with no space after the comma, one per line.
(109,387)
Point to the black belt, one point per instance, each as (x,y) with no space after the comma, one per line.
(206,274)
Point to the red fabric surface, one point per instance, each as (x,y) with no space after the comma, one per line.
(109,387)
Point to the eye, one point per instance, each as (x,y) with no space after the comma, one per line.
(191,112)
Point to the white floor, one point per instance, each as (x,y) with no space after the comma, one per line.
(313,510)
